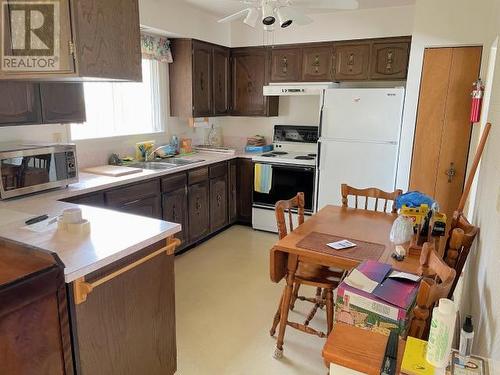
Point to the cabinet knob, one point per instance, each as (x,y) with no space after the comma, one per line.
(284,65)
(350,61)
(316,64)
(389,61)
(202,82)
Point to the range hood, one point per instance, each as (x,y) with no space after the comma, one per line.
(302,88)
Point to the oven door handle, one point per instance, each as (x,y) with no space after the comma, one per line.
(289,166)
(318,157)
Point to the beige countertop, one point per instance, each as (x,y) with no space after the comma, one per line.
(113,236)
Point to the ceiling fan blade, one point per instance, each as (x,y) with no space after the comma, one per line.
(327,4)
(298,17)
(235,16)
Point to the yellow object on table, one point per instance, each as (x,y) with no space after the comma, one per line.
(414,362)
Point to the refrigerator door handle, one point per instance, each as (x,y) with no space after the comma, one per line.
(318,158)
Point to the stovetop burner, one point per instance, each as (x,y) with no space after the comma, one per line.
(279,153)
(304,157)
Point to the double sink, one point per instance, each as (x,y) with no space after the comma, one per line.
(161,164)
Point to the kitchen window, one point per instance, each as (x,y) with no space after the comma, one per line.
(125,108)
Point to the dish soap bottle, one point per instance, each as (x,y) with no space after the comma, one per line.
(441,333)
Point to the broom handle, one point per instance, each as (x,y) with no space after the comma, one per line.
(473,170)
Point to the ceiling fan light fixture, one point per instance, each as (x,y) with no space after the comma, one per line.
(284,17)
(252,17)
(268,17)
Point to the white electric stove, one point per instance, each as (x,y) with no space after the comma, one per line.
(291,168)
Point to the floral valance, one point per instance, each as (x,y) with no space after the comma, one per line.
(156,48)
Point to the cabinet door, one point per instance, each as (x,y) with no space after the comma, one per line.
(352,62)
(202,79)
(245,190)
(94,200)
(317,64)
(249,75)
(218,203)
(389,60)
(198,211)
(62,102)
(175,210)
(285,64)
(19,103)
(150,207)
(233,191)
(221,80)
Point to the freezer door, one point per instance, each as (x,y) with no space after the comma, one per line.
(357,164)
(363,114)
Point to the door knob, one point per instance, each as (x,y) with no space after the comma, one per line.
(451,172)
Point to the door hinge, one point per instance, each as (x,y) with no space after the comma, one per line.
(71,46)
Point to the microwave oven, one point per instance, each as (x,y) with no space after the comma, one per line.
(27,169)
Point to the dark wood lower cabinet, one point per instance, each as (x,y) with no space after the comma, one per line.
(127,324)
(34,324)
(245,190)
(94,199)
(199,218)
(175,209)
(218,203)
(233,191)
(140,199)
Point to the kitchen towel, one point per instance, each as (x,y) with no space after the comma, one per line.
(263,178)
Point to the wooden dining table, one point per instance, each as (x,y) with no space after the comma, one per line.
(342,222)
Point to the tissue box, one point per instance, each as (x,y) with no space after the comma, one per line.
(369,311)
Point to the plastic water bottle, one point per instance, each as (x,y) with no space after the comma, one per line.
(441,333)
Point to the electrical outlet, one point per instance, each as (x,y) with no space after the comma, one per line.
(57,137)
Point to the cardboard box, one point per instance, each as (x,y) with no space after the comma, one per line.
(366,310)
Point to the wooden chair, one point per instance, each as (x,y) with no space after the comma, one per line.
(372,192)
(436,284)
(317,276)
(458,245)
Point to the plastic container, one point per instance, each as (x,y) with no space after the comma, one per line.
(441,333)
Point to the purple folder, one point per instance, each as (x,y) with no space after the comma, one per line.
(375,271)
(399,293)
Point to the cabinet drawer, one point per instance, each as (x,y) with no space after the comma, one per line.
(197,175)
(171,183)
(218,170)
(94,199)
(121,196)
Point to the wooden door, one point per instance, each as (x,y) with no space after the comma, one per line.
(62,102)
(127,324)
(443,129)
(202,79)
(218,203)
(245,190)
(198,208)
(317,63)
(249,74)
(175,209)
(352,61)
(19,103)
(389,60)
(233,191)
(221,78)
(285,64)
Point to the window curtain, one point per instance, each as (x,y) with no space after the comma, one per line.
(155,47)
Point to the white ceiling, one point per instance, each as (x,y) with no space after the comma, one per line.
(226,7)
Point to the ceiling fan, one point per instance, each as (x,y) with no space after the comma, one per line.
(286,12)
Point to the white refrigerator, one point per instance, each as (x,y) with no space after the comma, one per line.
(359,140)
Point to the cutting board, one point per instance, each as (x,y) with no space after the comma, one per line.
(112,170)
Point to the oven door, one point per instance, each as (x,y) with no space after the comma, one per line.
(285,182)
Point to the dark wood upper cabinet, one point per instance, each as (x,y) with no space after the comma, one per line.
(352,61)
(19,103)
(199,79)
(250,72)
(286,64)
(389,60)
(62,102)
(202,79)
(221,76)
(317,63)
(98,39)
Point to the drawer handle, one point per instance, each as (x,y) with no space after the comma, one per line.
(350,62)
(316,64)
(390,61)
(81,288)
(284,65)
